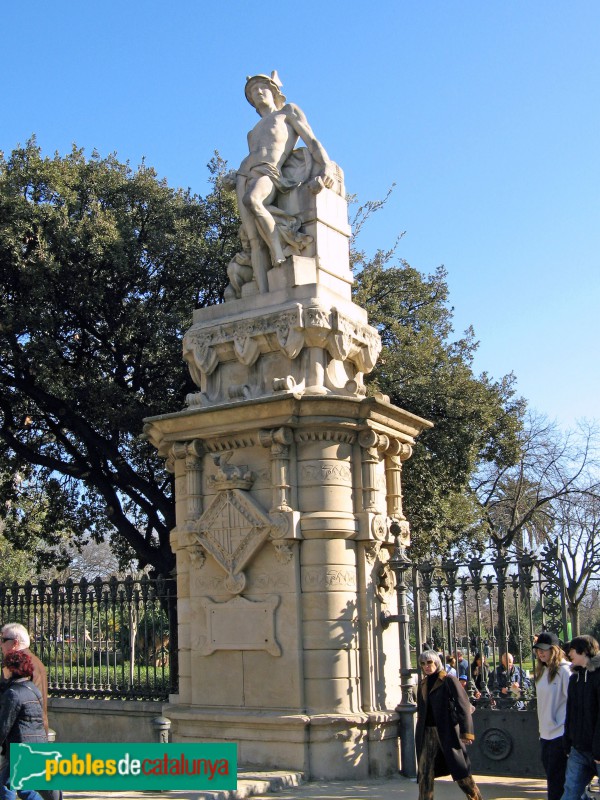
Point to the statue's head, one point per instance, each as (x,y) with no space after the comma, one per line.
(272,82)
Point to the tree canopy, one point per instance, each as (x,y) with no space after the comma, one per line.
(101,267)
(427,371)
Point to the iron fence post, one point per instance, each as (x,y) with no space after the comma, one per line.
(400,563)
(417,609)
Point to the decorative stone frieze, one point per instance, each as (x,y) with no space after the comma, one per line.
(224,444)
(328,578)
(323,472)
(325,435)
(224,357)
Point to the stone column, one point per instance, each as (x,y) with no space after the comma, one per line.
(279,441)
(328,570)
(396,453)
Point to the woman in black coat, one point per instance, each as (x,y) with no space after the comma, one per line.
(21,713)
(444,729)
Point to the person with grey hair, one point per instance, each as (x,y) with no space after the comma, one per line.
(15,638)
(444,729)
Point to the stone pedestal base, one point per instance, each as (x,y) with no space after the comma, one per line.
(322,746)
(284,507)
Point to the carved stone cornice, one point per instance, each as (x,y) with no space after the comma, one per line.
(229,443)
(326,435)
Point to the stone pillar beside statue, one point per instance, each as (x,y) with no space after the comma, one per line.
(286,487)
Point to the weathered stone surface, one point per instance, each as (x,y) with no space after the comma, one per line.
(287,480)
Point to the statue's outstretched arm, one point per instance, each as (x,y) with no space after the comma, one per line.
(299,123)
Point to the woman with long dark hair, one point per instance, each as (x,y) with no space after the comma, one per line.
(552,674)
(480,675)
(444,729)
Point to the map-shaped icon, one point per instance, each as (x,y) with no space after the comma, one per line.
(17,775)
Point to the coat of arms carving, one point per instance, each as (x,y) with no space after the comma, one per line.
(234,526)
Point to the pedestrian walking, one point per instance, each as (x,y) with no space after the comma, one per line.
(582,722)
(444,729)
(15,639)
(552,674)
(21,716)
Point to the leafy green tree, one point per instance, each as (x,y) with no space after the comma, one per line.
(101,267)
(36,524)
(14,563)
(427,371)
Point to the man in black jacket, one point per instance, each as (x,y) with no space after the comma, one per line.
(582,725)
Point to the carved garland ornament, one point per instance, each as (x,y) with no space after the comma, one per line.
(290,332)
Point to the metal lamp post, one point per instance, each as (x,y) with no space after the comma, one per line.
(400,564)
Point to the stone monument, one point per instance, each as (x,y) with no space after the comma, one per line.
(288,479)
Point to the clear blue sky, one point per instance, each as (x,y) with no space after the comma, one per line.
(486,115)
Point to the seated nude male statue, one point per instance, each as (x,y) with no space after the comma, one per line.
(261,174)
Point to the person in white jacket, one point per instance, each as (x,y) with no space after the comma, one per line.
(552,673)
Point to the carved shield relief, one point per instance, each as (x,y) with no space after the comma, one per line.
(232,529)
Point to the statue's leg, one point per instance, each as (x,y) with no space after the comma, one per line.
(260,192)
(258,257)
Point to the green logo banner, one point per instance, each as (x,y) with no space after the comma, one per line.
(117,767)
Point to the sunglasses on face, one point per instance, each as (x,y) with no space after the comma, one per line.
(427,662)
(7,639)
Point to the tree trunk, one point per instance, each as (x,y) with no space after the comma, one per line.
(573,609)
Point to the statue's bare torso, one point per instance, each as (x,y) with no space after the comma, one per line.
(270,142)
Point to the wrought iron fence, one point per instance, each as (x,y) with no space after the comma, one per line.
(114,638)
(490,608)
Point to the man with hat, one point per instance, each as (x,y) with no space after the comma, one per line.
(552,674)
(262,174)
